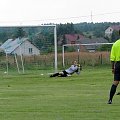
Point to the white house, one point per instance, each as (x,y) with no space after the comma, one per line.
(20,46)
(109,30)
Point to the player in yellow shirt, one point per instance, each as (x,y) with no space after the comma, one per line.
(115,60)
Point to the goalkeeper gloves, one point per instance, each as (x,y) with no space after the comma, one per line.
(79,66)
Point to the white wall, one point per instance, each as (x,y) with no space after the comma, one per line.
(108,32)
(24,49)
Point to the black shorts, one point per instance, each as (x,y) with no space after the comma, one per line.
(117,72)
(64,74)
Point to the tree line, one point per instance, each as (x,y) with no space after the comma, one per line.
(43,37)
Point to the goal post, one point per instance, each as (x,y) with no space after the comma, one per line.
(79,49)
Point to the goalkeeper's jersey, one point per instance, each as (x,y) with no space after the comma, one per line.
(72,69)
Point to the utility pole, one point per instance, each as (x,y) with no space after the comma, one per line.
(91,17)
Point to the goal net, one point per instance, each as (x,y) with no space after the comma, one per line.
(93,54)
(25,48)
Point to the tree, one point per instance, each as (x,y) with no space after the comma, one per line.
(65,29)
(115,36)
(20,33)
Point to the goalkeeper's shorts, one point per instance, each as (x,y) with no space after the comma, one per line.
(65,74)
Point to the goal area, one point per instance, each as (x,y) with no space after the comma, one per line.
(93,54)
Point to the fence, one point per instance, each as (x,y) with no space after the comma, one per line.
(45,62)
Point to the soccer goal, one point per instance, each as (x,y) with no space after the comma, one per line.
(87,54)
(42,34)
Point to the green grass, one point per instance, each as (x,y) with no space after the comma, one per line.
(36,97)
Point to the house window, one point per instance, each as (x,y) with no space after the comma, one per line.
(30,50)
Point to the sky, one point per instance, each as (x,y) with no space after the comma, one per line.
(36,12)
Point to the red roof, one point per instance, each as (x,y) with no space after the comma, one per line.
(71,38)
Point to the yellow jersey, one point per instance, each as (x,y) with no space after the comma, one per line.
(115,51)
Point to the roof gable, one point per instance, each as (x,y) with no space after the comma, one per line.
(10,45)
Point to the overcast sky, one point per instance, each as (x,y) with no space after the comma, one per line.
(20,12)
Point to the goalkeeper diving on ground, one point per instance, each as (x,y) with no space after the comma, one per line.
(74,68)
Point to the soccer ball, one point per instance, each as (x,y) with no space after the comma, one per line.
(5,72)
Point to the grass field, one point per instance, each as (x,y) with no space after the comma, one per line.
(38,97)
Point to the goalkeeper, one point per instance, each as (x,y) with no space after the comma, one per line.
(75,68)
